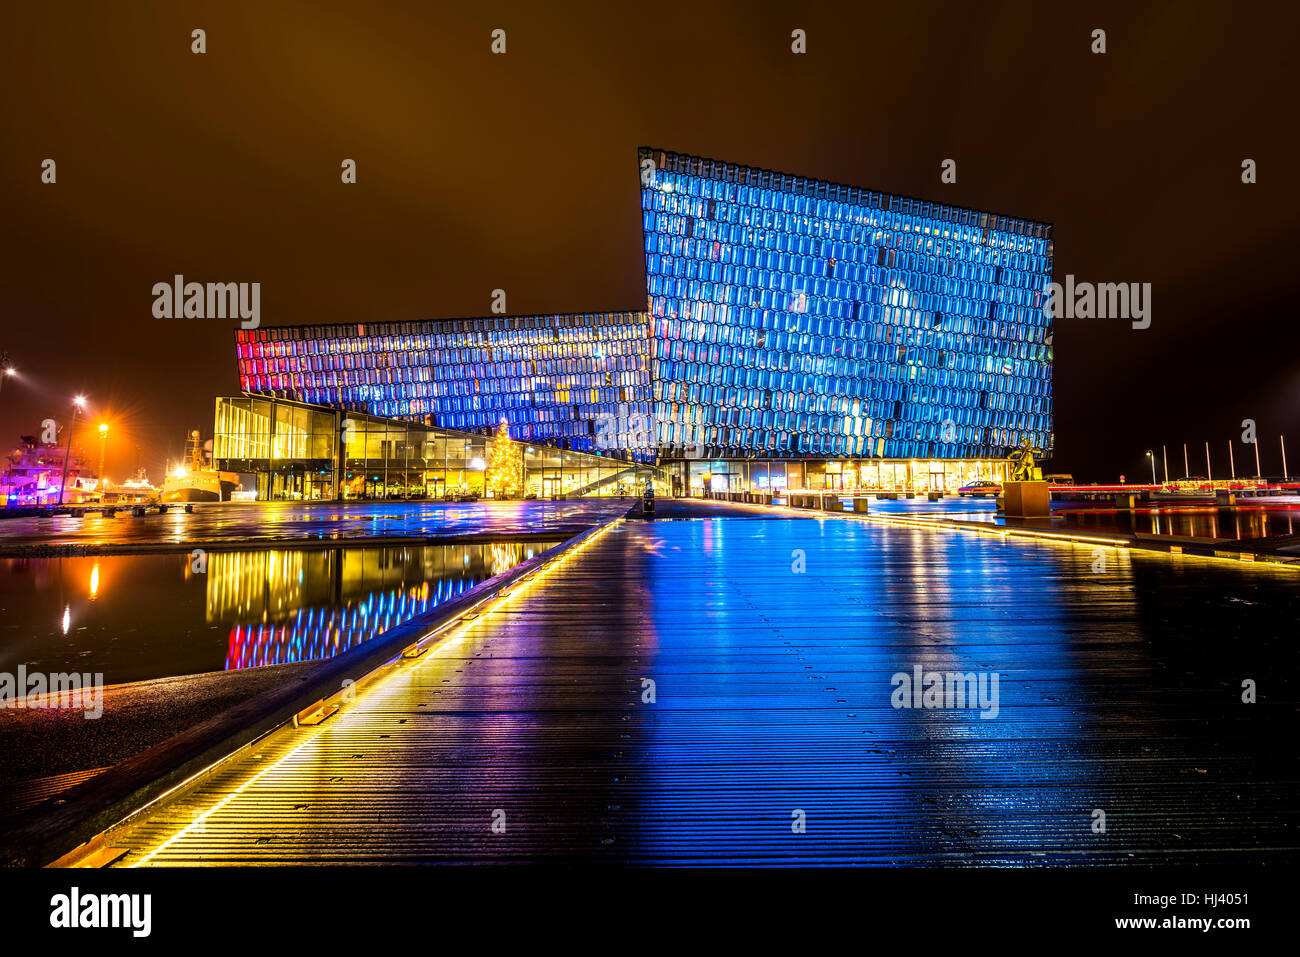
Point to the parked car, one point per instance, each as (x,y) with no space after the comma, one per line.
(980,489)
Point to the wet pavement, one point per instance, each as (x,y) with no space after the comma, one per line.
(1240,523)
(721,691)
(40,748)
(253,523)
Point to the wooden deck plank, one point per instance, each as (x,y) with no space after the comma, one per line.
(1118,691)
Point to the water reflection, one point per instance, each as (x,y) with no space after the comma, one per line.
(139,617)
(800,705)
(774,644)
(1236,523)
(318,604)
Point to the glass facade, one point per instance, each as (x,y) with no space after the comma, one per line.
(576,382)
(776,476)
(877,341)
(287,450)
(795,318)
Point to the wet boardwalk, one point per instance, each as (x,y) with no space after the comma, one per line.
(772,645)
(248,524)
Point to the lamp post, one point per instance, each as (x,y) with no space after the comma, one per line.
(78,404)
(1152,456)
(7,369)
(103,443)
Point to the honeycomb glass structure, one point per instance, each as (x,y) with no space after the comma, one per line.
(576,382)
(797,334)
(794,318)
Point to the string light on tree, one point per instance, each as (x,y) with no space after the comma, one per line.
(504,472)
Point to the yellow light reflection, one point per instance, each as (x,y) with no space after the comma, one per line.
(450,635)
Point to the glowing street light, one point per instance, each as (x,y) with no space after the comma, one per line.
(6,368)
(103,442)
(78,403)
(1152,456)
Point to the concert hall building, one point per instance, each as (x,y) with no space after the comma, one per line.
(797,334)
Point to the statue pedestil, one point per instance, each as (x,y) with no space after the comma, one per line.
(1026,500)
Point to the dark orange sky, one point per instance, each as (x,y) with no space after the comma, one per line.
(478,172)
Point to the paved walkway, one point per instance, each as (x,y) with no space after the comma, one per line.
(245,525)
(773,647)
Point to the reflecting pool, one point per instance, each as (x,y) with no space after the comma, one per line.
(136,617)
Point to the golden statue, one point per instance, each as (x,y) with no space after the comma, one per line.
(1022,462)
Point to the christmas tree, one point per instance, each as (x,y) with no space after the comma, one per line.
(505,473)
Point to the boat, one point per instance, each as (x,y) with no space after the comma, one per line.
(195,480)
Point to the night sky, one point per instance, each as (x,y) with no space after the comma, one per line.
(479,171)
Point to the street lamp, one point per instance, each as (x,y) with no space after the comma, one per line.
(78,403)
(103,442)
(1152,456)
(6,368)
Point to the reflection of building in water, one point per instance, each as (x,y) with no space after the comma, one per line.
(325,632)
(296,605)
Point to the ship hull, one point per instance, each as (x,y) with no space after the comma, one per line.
(190,495)
(205,486)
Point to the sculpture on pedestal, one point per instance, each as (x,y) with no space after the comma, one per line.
(1022,462)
